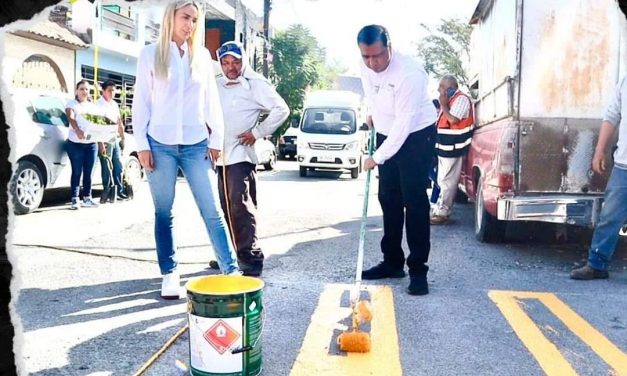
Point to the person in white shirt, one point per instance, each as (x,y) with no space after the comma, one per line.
(178,123)
(109,152)
(244,95)
(404,118)
(81,152)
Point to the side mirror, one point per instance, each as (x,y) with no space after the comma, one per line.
(294,121)
(364,127)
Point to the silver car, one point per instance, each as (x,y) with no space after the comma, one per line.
(39,130)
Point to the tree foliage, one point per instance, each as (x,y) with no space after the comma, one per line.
(445,50)
(298,63)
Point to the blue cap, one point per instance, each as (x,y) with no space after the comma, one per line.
(230,48)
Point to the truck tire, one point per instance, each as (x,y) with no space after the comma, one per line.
(354,173)
(302,171)
(27,187)
(487,228)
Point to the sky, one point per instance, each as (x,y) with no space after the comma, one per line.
(335,23)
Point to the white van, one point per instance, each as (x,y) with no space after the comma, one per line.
(331,134)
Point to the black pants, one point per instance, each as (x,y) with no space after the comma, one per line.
(403,182)
(241,181)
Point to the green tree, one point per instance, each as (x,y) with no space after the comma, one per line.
(298,63)
(445,50)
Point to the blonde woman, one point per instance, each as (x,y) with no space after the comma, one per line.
(178,123)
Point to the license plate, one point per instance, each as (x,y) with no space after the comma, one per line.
(326,158)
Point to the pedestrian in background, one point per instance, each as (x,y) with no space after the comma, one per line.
(403,115)
(81,152)
(614,211)
(244,95)
(455,126)
(178,123)
(109,152)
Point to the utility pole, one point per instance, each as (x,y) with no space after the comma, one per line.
(267,6)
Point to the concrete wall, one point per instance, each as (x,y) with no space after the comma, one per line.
(17,49)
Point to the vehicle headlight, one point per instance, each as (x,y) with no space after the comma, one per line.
(303,145)
(352,145)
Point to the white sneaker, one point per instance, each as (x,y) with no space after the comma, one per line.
(89,203)
(75,205)
(171,286)
(236,273)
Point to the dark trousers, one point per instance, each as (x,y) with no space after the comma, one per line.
(82,159)
(241,185)
(111,166)
(403,182)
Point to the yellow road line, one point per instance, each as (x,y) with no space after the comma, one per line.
(545,352)
(384,356)
(611,354)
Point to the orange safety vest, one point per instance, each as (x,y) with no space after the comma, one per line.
(453,140)
(463,123)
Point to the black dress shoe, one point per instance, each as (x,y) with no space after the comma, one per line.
(418,285)
(383,270)
(213,264)
(251,272)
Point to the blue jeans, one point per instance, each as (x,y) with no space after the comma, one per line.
(202,180)
(112,150)
(613,216)
(82,159)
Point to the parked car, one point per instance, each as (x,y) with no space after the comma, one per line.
(266,153)
(538,114)
(331,135)
(289,141)
(40,128)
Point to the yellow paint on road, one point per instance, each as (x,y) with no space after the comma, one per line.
(546,353)
(384,357)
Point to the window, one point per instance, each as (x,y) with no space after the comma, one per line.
(329,121)
(49,110)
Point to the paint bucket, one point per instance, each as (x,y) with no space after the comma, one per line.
(225,325)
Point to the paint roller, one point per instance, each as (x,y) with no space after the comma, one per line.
(354,340)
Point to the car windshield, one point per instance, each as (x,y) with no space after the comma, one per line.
(329,121)
(49,110)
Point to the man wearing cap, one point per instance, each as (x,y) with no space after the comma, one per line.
(244,95)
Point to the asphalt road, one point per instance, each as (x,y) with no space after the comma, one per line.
(89,301)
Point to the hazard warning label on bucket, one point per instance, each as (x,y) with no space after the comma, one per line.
(221,336)
(211,343)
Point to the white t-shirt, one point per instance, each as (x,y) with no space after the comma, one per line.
(81,108)
(111,109)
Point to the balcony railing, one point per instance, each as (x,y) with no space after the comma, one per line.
(152,32)
(121,25)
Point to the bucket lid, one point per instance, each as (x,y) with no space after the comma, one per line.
(223,285)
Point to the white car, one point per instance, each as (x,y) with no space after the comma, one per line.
(266,153)
(40,128)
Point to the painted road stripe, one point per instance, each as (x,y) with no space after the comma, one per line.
(318,354)
(545,352)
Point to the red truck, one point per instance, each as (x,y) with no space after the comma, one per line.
(543,71)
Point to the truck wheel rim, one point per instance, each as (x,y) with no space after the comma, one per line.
(479,213)
(28,188)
